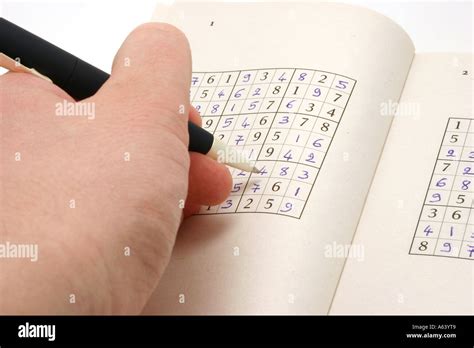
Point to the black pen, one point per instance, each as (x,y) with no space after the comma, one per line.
(82,80)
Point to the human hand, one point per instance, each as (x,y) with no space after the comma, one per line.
(103,197)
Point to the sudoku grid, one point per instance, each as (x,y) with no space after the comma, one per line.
(446,222)
(284,119)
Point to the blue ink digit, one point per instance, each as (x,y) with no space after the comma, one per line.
(317,92)
(290,104)
(317,143)
(302,76)
(229,204)
(465,184)
(441,182)
(284,120)
(253,105)
(297,191)
(470,250)
(245,124)
(467,171)
(305,173)
(237,187)
(238,93)
(239,139)
(447,246)
(288,207)
(310,158)
(428,230)
(288,156)
(342,84)
(256,187)
(282,77)
(435,196)
(227,122)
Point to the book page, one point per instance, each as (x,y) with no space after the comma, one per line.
(298,87)
(417,228)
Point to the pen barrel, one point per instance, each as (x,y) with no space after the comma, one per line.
(78,78)
(200,140)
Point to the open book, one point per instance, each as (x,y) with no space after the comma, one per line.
(359,208)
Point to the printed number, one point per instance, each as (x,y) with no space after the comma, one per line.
(269,203)
(325,127)
(247,206)
(434,213)
(305,119)
(460,199)
(257,136)
(423,246)
(276,135)
(338,95)
(331,112)
(270,151)
(456,215)
(211,79)
(276,186)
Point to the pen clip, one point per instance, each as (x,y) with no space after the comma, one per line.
(15,65)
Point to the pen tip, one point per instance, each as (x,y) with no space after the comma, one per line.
(255,170)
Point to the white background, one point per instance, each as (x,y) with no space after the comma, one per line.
(94,29)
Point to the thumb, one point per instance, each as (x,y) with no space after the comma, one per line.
(151,72)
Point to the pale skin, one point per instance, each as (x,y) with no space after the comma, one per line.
(74,193)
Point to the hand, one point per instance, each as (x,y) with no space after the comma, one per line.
(102,196)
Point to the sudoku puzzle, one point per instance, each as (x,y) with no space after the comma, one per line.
(284,119)
(446,222)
